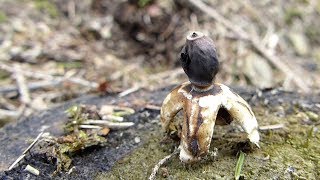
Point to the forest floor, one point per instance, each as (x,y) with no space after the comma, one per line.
(55,51)
(289,129)
(52,51)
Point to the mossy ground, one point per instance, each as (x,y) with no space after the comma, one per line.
(288,153)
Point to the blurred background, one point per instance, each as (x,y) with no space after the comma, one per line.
(52,51)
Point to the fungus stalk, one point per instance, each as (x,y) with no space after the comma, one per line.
(204,102)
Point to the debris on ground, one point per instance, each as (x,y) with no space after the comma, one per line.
(80,134)
(68,49)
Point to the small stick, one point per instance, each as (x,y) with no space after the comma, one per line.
(160,163)
(33,143)
(25,151)
(89,127)
(71,10)
(112,118)
(271,127)
(22,86)
(32,170)
(116,110)
(129,91)
(16,161)
(31,86)
(7,113)
(111,125)
(153,107)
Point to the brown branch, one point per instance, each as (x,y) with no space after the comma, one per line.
(255,42)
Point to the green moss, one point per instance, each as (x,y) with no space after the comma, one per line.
(75,139)
(293,148)
(47,6)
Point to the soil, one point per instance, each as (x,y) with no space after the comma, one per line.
(287,153)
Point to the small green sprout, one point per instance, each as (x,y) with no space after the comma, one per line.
(239,165)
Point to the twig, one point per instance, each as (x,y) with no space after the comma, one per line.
(21,82)
(33,143)
(16,161)
(271,127)
(111,125)
(90,127)
(255,42)
(116,111)
(25,151)
(8,113)
(71,9)
(129,91)
(153,107)
(112,118)
(31,86)
(160,163)
(40,75)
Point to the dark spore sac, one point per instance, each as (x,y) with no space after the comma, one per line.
(199,59)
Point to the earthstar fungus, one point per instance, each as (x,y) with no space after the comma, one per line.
(204,103)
